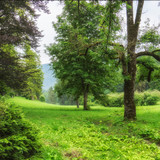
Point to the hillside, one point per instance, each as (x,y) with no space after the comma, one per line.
(49,79)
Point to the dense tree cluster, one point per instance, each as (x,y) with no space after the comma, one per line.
(20,72)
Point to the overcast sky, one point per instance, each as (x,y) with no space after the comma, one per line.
(150,10)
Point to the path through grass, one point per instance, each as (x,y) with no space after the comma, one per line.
(99,134)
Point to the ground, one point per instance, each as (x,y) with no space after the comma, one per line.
(99,134)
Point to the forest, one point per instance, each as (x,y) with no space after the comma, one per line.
(105,103)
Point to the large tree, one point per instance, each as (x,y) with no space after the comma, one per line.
(12,73)
(20,72)
(34,81)
(129,59)
(77,58)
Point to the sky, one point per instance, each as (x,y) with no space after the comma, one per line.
(150,10)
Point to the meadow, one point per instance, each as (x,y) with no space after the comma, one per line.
(68,133)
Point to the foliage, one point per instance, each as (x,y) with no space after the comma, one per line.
(12,72)
(78,59)
(33,69)
(155,84)
(146,98)
(147,69)
(114,100)
(18,137)
(42,98)
(20,72)
(18,28)
(141,99)
(98,134)
(18,22)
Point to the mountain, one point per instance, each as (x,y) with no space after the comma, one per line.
(49,79)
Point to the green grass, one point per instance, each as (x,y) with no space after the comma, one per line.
(100,134)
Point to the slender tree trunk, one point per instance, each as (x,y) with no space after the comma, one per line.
(86,98)
(149,75)
(32,97)
(77,103)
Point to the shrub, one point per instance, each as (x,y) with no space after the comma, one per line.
(42,98)
(155,85)
(113,100)
(141,99)
(146,98)
(18,138)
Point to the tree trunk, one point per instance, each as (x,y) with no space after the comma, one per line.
(77,103)
(129,66)
(129,84)
(86,98)
(149,75)
(32,97)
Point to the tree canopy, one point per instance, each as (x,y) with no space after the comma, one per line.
(18,21)
(78,58)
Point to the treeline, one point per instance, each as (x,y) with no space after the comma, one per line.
(146,93)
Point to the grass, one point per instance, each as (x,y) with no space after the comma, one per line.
(68,133)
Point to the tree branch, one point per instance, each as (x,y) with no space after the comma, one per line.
(147,53)
(151,69)
(139,12)
(99,42)
(130,12)
(145,65)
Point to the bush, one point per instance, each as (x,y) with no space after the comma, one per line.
(147,98)
(155,85)
(42,98)
(116,100)
(113,100)
(18,138)
(141,99)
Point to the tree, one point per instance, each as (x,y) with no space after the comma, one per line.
(66,93)
(18,21)
(31,63)
(51,96)
(22,73)
(129,59)
(77,58)
(17,27)
(12,73)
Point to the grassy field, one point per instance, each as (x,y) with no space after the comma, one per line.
(99,134)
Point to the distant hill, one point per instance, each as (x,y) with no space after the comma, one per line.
(49,79)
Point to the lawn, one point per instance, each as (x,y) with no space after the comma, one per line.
(99,134)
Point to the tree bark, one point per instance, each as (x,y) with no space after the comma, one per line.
(77,103)
(130,69)
(86,98)
(129,104)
